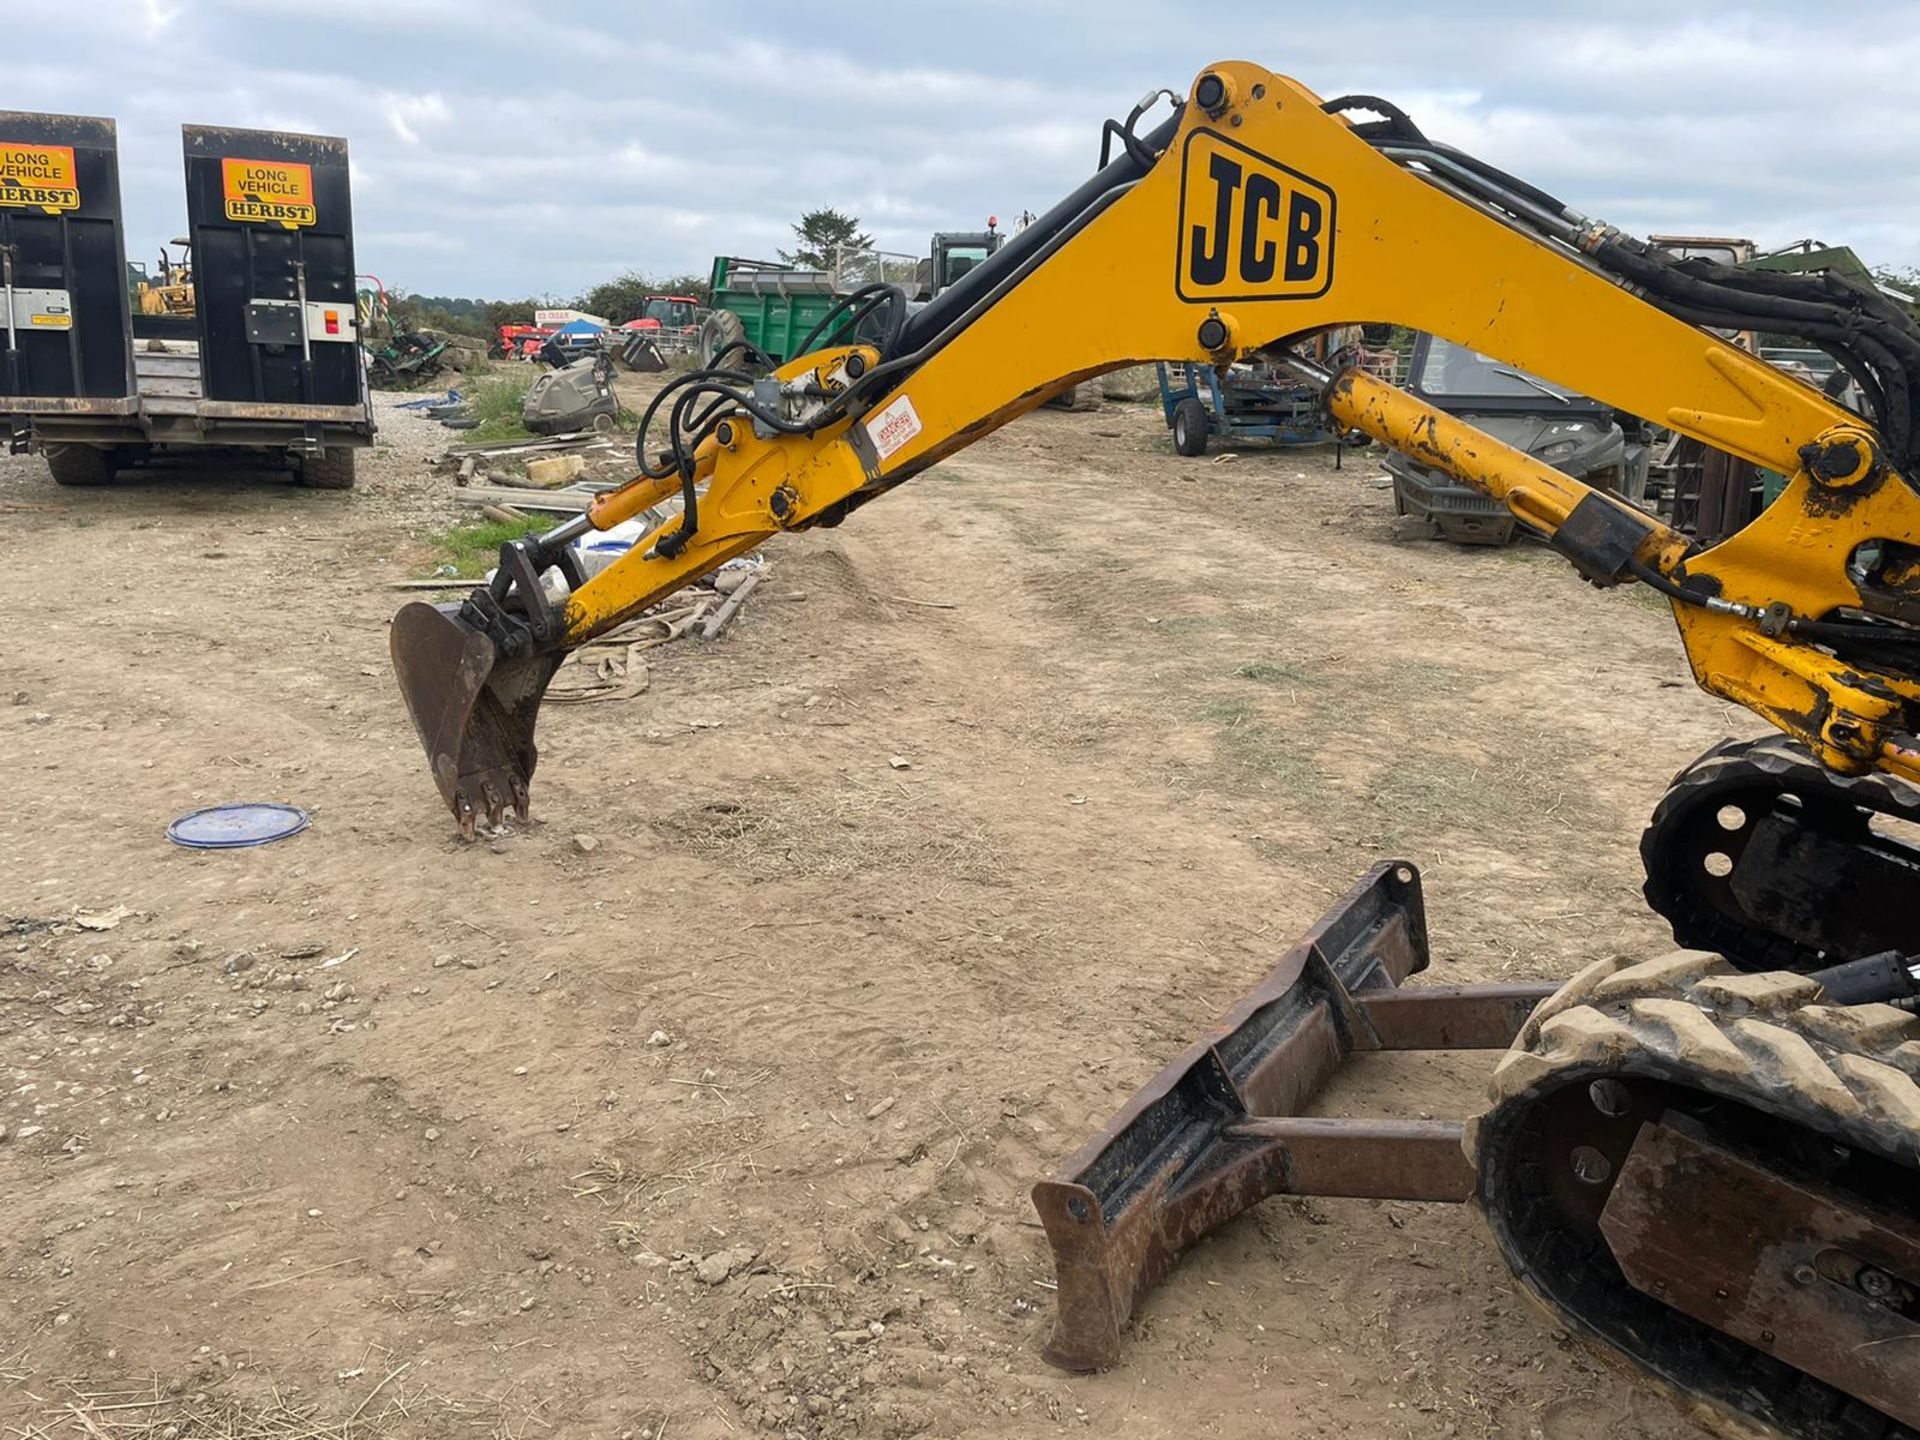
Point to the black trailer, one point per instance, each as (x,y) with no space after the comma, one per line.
(268,366)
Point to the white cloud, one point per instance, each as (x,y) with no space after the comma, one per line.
(407,114)
(156,16)
(507,147)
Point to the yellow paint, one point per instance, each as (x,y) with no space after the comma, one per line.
(268,192)
(38,177)
(616,507)
(1286,223)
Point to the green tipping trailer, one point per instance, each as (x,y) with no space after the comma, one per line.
(770,306)
(775,307)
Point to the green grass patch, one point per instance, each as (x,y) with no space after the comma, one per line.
(1229,712)
(497,403)
(1251,754)
(473,546)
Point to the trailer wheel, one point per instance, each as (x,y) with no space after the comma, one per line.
(719,330)
(1191,426)
(330,470)
(80,464)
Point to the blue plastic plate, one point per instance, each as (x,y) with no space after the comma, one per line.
(233,827)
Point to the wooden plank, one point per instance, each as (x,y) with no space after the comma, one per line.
(573,439)
(188,386)
(165,364)
(559,502)
(729,609)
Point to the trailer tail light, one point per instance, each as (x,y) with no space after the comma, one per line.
(333,322)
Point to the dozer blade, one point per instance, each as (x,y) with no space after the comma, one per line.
(1221,1129)
(475,711)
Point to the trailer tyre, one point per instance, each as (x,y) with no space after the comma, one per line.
(719,330)
(1191,426)
(330,470)
(80,464)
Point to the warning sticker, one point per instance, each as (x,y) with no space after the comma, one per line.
(893,426)
(268,192)
(38,177)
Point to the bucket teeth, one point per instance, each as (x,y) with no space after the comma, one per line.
(474,711)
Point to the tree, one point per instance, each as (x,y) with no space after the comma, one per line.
(620,299)
(624,298)
(1903,278)
(508,312)
(821,232)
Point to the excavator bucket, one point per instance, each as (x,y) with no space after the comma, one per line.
(1221,1128)
(474,710)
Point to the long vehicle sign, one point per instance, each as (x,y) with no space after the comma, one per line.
(268,192)
(38,177)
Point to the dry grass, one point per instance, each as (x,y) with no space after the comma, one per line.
(1252,753)
(724,1151)
(1278,673)
(1518,790)
(782,834)
(390,1404)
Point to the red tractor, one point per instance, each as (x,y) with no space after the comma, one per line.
(518,341)
(673,319)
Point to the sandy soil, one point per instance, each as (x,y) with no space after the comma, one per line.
(456,1184)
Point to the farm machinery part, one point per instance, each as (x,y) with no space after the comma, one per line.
(1639,1097)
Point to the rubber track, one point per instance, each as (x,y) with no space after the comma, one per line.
(1765,1041)
(1772,760)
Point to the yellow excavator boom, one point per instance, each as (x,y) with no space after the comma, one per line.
(1255,215)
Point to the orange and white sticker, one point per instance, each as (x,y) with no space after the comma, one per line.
(268,192)
(38,177)
(893,425)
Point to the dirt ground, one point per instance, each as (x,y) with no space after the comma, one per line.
(709,1104)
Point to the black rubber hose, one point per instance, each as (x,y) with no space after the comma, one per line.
(1895,415)
(1813,319)
(1552,204)
(874,296)
(904,364)
(1399,124)
(1836,287)
(660,397)
(1852,366)
(1129,141)
(1647,575)
(959,298)
(1887,368)
(1676,281)
(749,352)
(1854,306)
(1836,631)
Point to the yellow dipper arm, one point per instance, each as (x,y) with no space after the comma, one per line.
(1253,217)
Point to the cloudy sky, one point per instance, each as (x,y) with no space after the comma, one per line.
(504,149)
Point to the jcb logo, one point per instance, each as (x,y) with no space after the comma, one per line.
(1250,228)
